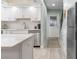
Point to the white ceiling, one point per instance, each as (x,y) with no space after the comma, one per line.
(22,2)
(58,4)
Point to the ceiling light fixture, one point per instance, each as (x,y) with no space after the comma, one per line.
(53,4)
(14,8)
(32,8)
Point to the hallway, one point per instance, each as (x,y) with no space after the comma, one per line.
(53,43)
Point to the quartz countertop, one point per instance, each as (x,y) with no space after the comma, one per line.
(10,40)
(20,29)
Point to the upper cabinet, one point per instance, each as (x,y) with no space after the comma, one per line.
(18,13)
(32,12)
(10,13)
(2,12)
(7,14)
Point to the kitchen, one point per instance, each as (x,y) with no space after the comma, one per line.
(20,20)
(20,28)
(36,29)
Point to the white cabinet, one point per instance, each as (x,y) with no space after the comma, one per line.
(22,50)
(26,13)
(11,13)
(19,13)
(22,12)
(7,14)
(34,14)
(2,13)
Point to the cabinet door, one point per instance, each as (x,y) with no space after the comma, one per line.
(33,13)
(19,13)
(26,13)
(7,14)
(38,13)
(3,13)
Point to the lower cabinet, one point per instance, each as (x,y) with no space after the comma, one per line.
(27,49)
(23,50)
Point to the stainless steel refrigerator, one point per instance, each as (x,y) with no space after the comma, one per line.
(72,32)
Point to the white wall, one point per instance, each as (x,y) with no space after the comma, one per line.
(53,31)
(18,24)
(63,36)
(43,25)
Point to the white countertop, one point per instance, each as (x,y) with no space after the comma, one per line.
(20,29)
(10,40)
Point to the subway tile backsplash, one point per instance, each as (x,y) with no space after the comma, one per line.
(19,24)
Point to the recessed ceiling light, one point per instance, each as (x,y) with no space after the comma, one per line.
(53,4)
(32,8)
(14,8)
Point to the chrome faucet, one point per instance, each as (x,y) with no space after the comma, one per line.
(24,25)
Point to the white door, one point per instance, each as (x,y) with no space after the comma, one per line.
(53,26)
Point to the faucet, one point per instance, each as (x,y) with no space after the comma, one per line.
(24,25)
